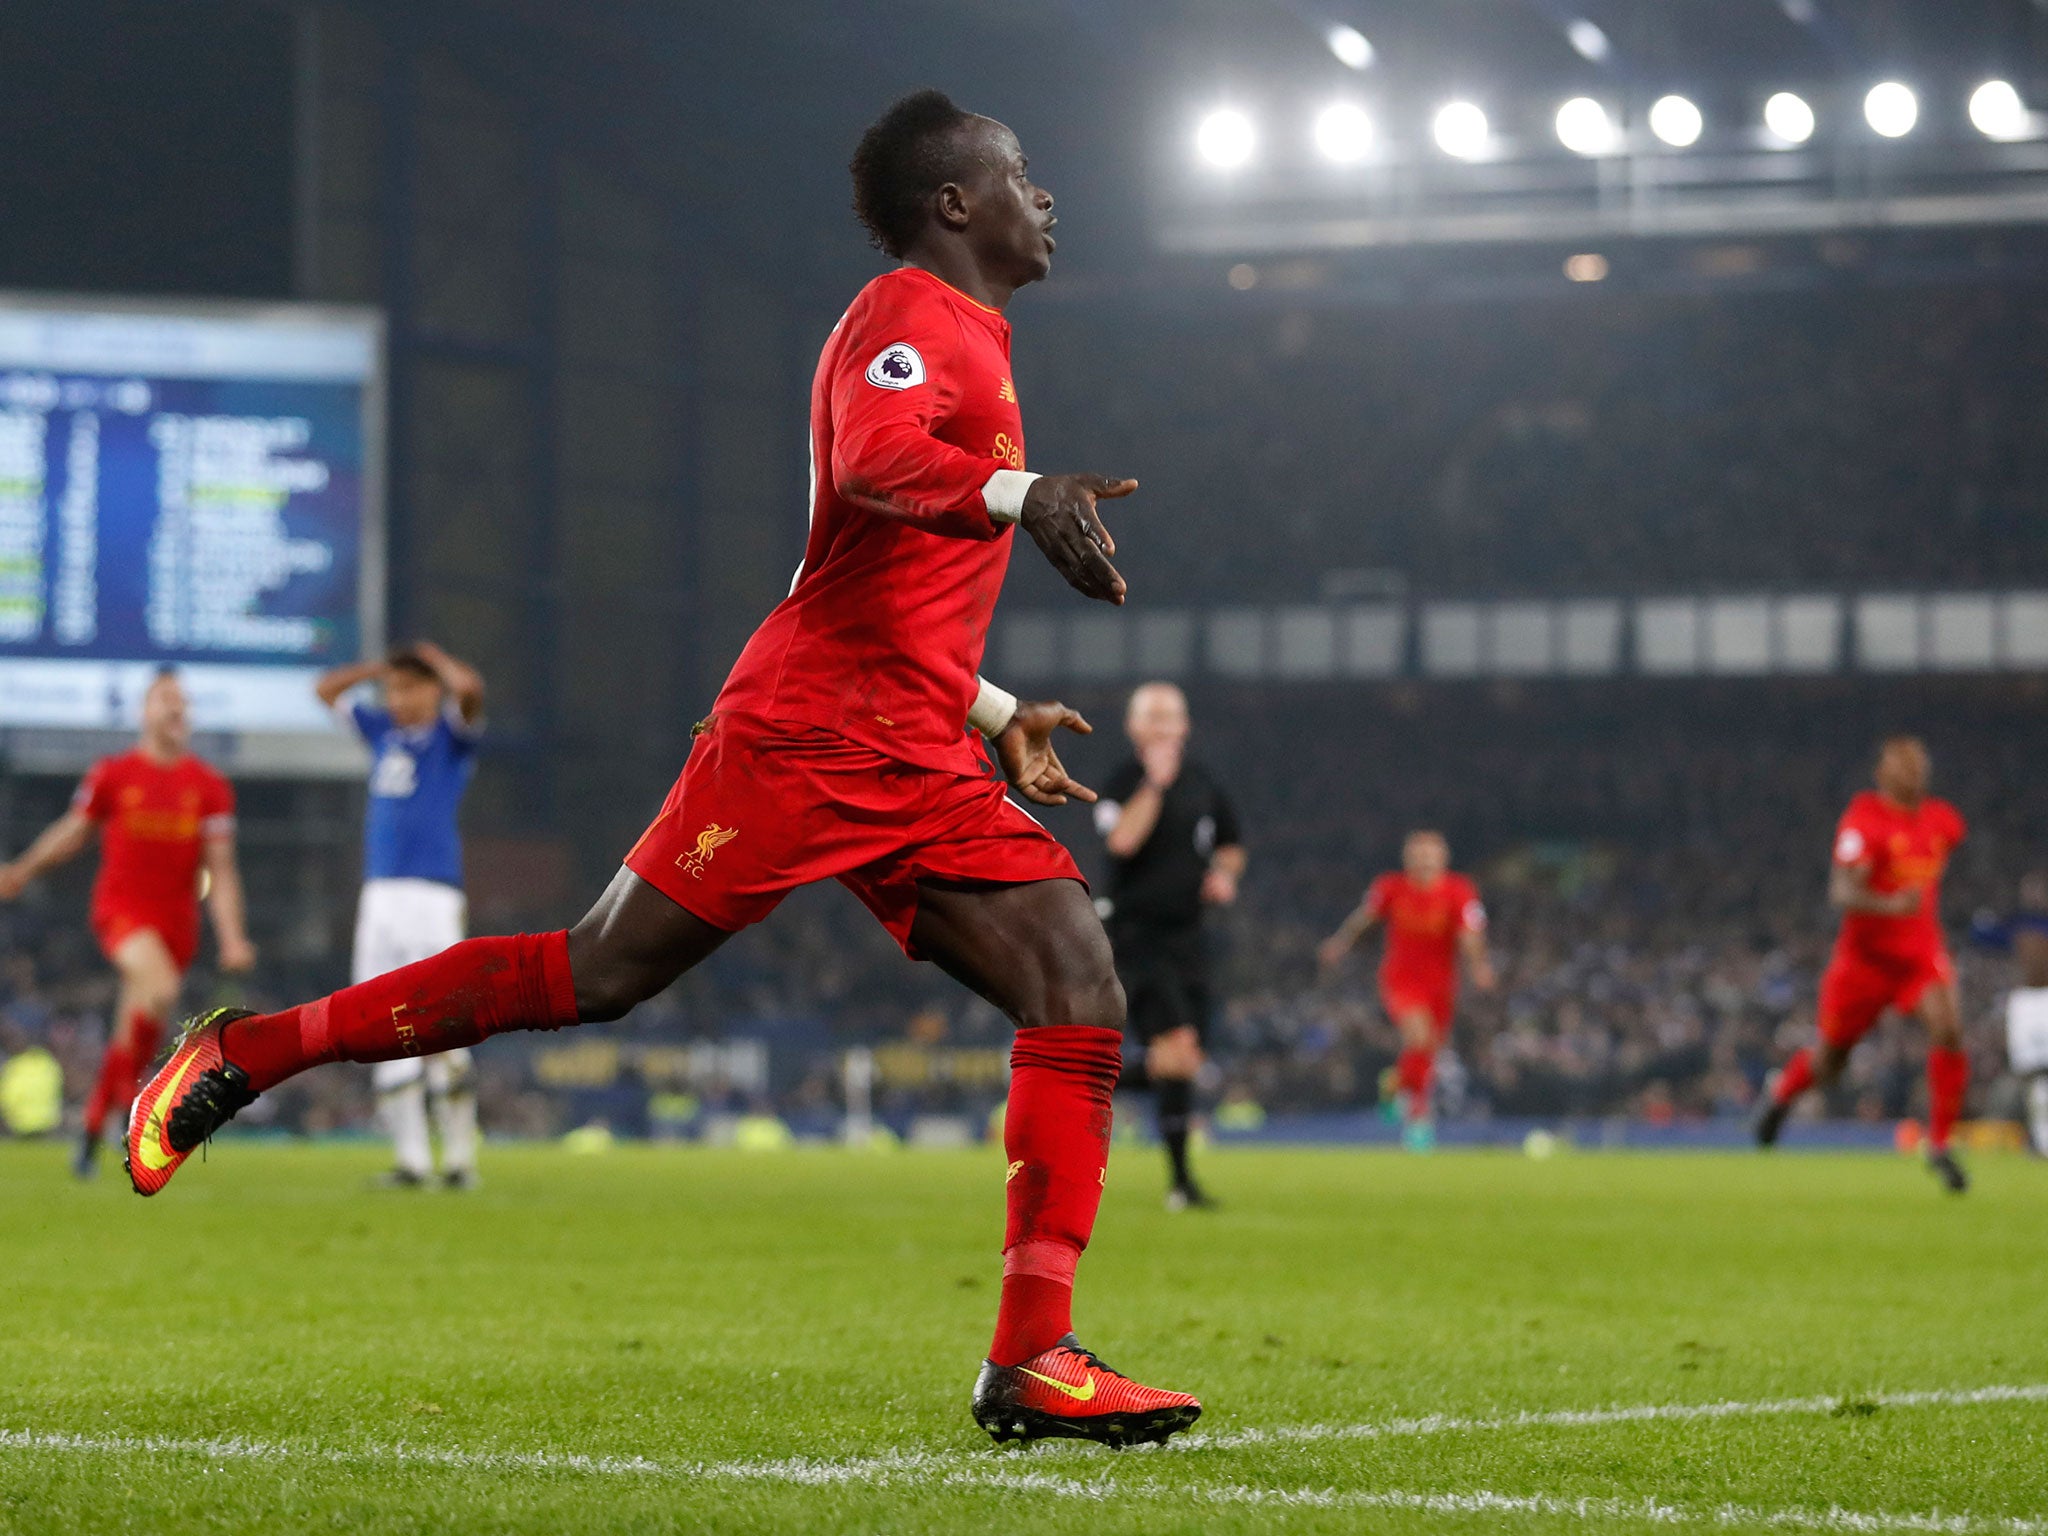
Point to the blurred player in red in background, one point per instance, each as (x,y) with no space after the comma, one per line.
(1432,916)
(165,818)
(839,749)
(1891,848)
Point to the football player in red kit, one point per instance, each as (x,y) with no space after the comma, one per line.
(164,817)
(839,749)
(1432,916)
(1891,848)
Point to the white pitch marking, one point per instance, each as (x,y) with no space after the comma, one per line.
(1582,1418)
(916,1469)
(1486,1502)
(956,1469)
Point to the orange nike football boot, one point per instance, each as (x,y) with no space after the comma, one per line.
(1069,1393)
(193,1094)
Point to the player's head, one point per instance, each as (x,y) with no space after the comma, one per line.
(1903,769)
(1425,855)
(166,715)
(412,689)
(928,170)
(1158,712)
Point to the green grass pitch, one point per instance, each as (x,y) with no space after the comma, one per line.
(679,1340)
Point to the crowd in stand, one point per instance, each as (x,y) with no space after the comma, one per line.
(1653,856)
(1654,861)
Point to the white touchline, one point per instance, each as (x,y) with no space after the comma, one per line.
(1483,1501)
(1579,1418)
(963,1469)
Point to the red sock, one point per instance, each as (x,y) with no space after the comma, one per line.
(1796,1078)
(1414,1071)
(1056,1136)
(120,1069)
(1948,1074)
(117,1078)
(477,988)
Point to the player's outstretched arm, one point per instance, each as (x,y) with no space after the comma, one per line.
(1478,962)
(1059,513)
(464,683)
(60,842)
(336,681)
(1225,872)
(1849,891)
(1025,750)
(225,904)
(1138,817)
(1331,952)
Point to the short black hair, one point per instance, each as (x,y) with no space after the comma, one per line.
(406,659)
(906,155)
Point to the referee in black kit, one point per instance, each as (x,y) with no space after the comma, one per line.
(1174,847)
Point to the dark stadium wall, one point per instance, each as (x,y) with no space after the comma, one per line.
(150,147)
(597,428)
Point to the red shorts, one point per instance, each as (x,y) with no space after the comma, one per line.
(1402,998)
(114,926)
(764,806)
(1856,989)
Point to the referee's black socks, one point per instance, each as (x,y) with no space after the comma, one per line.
(1175,1097)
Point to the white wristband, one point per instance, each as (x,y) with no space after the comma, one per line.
(1004,495)
(993,709)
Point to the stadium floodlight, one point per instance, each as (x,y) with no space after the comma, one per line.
(1343,133)
(1584,128)
(1676,121)
(1891,109)
(1997,111)
(1587,40)
(1351,46)
(1460,130)
(1789,119)
(1225,138)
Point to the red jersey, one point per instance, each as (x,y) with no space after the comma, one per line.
(880,638)
(1897,849)
(153,818)
(1424,923)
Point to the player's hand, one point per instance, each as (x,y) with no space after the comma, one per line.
(1161,761)
(1060,516)
(1026,752)
(1484,977)
(1331,952)
(1219,887)
(237,955)
(12,882)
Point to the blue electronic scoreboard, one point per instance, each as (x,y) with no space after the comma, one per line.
(188,485)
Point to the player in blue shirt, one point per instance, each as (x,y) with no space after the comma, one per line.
(422,742)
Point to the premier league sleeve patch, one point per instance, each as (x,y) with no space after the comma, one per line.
(896,366)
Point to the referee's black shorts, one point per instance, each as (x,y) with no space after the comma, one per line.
(1165,972)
